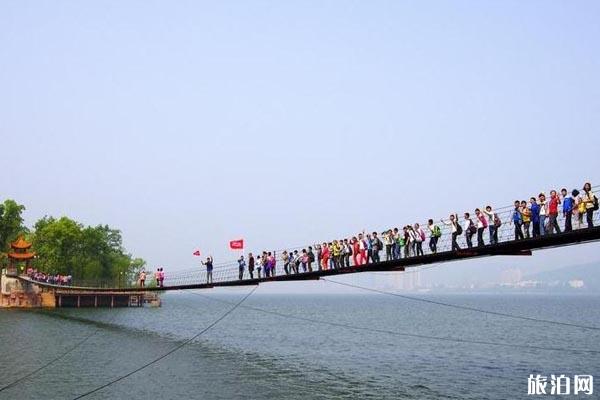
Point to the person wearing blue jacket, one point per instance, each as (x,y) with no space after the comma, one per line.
(535,217)
(567,208)
(517,220)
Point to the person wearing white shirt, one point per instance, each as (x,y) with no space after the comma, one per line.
(453,223)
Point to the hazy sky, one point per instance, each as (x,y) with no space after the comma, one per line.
(189,124)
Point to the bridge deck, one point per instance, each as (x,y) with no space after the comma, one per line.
(509,247)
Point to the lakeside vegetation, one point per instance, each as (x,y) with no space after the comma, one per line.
(67,247)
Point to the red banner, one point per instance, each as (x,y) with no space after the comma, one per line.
(197,253)
(236,244)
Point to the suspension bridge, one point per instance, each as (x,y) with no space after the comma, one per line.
(227,274)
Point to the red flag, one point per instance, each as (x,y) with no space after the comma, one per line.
(236,244)
(197,253)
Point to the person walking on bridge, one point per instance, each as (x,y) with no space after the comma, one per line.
(543,213)
(209,269)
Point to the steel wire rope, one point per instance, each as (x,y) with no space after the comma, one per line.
(467,308)
(407,334)
(60,357)
(168,353)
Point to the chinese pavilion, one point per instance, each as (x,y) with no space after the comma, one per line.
(20,254)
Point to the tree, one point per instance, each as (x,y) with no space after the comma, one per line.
(11,223)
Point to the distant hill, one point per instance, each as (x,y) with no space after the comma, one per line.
(589,273)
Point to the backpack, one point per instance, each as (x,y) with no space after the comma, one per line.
(422,234)
(459,229)
(595,208)
(497,221)
(311,256)
(472,228)
(349,250)
(437,232)
(379,244)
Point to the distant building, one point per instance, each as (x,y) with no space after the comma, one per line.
(576,283)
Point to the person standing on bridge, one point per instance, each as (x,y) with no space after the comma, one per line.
(591,204)
(455,229)
(434,235)
(388,242)
(493,224)
(482,225)
(142,278)
(420,239)
(377,246)
(553,212)
(543,213)
(517,220)
(311,258)
(209,269)
(241,267)
(526,215)
(568,204)
(251,265)
(324,257)
(535,217)
(470,230)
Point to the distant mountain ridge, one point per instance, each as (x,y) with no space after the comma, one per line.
(589,273)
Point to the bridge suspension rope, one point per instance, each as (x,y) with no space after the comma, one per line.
(466,308)
(173,350)
(58,358)
(406,334)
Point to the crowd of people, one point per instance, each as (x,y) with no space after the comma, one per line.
(54,279)
(537,217)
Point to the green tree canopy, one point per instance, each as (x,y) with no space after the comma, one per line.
(67,247)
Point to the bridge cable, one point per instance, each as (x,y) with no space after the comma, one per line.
(408,334)
(168,353)
(467,308)
(58,358)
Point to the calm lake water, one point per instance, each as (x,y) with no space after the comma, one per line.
(254,355)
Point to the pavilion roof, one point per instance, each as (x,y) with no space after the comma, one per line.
(20,244)
(21,256)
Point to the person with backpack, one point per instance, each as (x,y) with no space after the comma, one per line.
(296,262)
(311,258)
(285,257)
(517,220)
(376,246)
(494,224)
(369,244)
(568,204)
(455,229)
(535,217)
(319,256)
(346,253)
(434,235)
(482,225)
(420,236)
(304,260)
(591,204)
(553,212)
(470,230)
